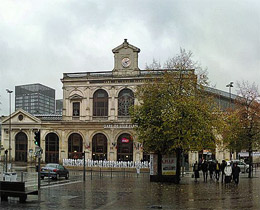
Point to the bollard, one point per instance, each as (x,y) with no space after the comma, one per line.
(100,173)
(138,171)
(111,172)
(124,172)
(91,173)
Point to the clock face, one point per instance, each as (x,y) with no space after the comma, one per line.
(126,62)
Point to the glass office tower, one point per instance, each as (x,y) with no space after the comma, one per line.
(35,99)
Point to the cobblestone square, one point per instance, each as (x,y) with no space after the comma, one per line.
(132,192)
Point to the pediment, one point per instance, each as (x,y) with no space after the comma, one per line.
(124,46)
(21,116)
(75,97)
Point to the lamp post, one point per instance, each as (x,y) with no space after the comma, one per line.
(230,85)
(10,96)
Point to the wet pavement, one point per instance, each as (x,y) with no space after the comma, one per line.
(127,191)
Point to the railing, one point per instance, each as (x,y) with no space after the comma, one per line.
(106,163)
(102,74)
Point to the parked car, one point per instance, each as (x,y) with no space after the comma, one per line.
(54,171)
(241,164)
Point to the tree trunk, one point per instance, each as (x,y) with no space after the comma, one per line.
(159,164)
(178,166)
(250,157)
(250,162)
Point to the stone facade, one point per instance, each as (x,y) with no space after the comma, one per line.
(79,89)
(94,119)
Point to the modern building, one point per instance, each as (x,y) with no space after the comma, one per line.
(95,116)
(59,106)
(35,99)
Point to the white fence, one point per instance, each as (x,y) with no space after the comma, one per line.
(106,163)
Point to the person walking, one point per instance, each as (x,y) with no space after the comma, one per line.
(217,170)
(235,173)
(222,167)
(204,168)
(196,171)
(211,169)
(228,173)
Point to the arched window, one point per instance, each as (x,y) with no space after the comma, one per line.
(125,100)
(75,146)
(125,147)
(100,103)
(21,146)
(52,148)
(99,147)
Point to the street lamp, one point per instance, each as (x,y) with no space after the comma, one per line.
(10,95)
(230,85)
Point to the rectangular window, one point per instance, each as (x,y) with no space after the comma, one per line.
(76,109)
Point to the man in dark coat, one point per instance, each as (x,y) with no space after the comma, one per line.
(235,173)
(211,169)
(222,167)
(196,171)
(204,168)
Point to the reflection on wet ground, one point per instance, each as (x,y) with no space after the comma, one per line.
(130,192)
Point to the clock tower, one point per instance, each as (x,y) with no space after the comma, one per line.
(126,59)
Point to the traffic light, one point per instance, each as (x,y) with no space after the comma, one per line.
(6,151)
(37,138)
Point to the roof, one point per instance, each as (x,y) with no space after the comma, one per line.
(220,92)
(49,117)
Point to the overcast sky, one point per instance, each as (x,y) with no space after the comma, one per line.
(41,40)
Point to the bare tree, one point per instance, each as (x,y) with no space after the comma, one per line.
(155,65)
(249,115)
(184,61)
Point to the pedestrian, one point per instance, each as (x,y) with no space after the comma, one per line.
(222,167)
(200,162)
(196,171)
(211,169)
(235,173)
(204,168)
(228,173)
(217,170)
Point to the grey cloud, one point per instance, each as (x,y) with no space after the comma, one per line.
(39,42)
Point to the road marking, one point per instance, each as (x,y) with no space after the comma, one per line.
(108,205)
(55,185)
(45,183)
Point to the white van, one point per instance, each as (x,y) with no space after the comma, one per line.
(241,164)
